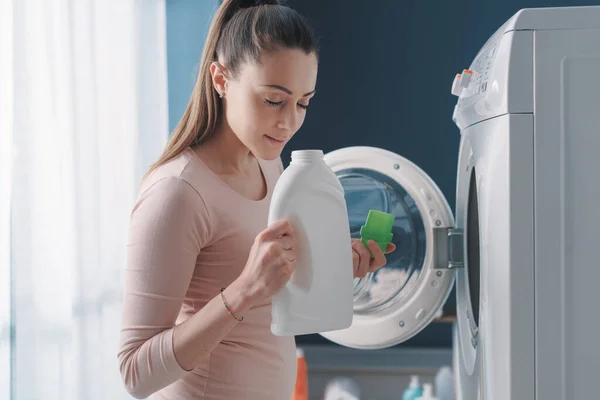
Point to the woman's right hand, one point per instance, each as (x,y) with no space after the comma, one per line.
(271,262)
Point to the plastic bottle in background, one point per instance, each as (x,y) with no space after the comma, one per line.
(427,393)
(414,390)
(301,387)
(319,297)
(342,388)
(444,384)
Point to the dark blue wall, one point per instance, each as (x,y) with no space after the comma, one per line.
(385,74)
(187,27)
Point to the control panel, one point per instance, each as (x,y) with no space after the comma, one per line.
(475,80)
(498,81)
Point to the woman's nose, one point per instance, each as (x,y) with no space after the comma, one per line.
(288,120)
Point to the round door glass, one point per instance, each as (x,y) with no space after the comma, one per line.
(365,190)
(473,270)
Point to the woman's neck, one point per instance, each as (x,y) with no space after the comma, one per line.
(225,152)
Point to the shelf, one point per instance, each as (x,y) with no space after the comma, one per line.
(327,358)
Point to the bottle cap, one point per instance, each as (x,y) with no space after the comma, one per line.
(427,393)
(414,382)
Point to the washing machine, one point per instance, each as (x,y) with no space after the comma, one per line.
(521,246)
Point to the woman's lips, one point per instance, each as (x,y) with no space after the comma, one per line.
(275,141)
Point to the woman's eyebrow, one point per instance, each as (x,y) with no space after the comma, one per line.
(286,90)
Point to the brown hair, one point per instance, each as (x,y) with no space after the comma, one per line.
(239,31)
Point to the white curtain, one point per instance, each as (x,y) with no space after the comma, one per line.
(83,112)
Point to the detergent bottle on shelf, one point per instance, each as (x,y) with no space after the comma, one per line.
(301,387)
(414,390)
(444,384)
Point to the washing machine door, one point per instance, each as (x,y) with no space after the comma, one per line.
(402,298)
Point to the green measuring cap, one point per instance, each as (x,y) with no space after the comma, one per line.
(378,228)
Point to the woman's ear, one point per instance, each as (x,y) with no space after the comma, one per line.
(219,78)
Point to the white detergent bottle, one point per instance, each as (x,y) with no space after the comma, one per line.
(427,393)
(444,384)
(319,295)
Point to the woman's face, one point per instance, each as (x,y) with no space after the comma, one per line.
(266,103)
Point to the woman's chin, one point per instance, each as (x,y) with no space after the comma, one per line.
(267,153)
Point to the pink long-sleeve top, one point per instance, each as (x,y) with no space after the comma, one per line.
(190,235)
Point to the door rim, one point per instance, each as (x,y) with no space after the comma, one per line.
(420,306)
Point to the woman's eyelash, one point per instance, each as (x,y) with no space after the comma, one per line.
(273,103)
(278,103)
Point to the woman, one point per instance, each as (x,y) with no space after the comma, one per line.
(200,222)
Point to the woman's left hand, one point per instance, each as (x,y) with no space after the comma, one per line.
(363,261)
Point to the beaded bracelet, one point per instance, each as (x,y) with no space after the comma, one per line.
(227,307)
